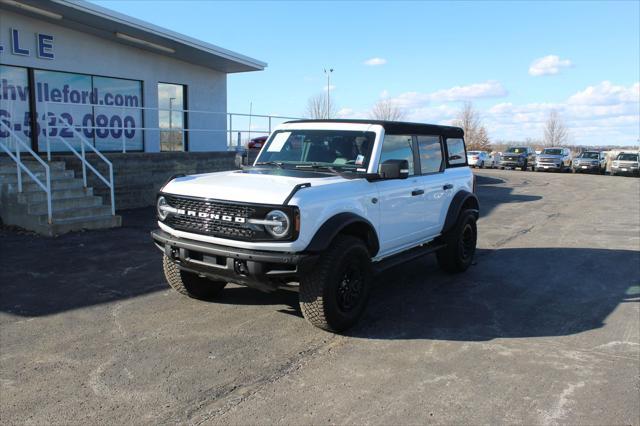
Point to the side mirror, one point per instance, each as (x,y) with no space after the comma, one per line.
(394,169)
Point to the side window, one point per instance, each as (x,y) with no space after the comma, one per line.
(455,149)
(430,154)
(398,147)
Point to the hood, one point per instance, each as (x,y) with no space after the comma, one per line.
(549,157)
(260,186)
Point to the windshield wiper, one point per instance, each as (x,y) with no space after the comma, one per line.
(278,164)
(317,166)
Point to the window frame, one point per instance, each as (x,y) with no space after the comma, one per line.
(414,151)
(442,155)
(31,71)
(446,147)
(185,114)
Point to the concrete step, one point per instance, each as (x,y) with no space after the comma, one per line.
(56,194)
(9,166)
(75,212)
(67,183)
(40,207)
(79,223)
(55,175)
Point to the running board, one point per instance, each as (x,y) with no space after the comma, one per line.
(406,256)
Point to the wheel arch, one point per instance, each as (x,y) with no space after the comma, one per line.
(463,200)
(345,223)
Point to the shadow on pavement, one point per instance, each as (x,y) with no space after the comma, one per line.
(509,293)
(491,195)
(43,276)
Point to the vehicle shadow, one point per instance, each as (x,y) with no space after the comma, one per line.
(490,194)
(509,293)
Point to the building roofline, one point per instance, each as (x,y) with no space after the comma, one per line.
(206,54)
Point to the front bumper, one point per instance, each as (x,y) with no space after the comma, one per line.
(625,170)
(263,270)
(511,163)
(586,167)
(548,166)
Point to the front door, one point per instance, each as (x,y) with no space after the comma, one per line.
(401,201)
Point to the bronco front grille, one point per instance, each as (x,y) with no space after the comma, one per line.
(222,219)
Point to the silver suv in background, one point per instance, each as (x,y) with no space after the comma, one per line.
(556,158)
(522,157)
(588,161)
(626,163)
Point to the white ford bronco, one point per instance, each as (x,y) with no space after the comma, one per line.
(326,205)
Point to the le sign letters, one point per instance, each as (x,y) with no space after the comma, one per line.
(43,45)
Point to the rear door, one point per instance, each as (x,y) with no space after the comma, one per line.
(434,181)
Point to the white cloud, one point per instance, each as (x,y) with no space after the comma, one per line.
(384,94)
(488,89)
(606,93)
(548,65)
(331,87)
(372,62)
(604,113)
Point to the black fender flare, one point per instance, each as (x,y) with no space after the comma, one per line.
(462,198)
(352,224)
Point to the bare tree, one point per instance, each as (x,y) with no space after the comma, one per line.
(555,131)
(317,107)
(385,109)
(475,134)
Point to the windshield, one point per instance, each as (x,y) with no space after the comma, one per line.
(517,150)
(627,157)
(335,149)
(551,151)
(591,155)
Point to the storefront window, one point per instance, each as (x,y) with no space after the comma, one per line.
(61,100)
(14,105)
(104,111)
(119,118)
(171,116)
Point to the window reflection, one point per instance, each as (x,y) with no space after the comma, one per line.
(171,116)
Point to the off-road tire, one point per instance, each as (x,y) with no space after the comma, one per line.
(457,255)
(190,284)
(321,289)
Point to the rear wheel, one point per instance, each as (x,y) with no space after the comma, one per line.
(457,255)
(188,283)
(335,294)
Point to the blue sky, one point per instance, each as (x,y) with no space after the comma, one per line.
(514,61)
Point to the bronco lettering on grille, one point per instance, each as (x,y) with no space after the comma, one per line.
(214,216)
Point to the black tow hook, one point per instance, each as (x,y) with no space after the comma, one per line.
(240,267)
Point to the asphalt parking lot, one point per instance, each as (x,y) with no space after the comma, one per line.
(543,329)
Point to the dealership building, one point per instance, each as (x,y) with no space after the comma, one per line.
(153,101)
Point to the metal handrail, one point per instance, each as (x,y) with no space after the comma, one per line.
(85,162)
(21,167)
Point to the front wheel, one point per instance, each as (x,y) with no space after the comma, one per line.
(524,167)
(188,283)
(334,295)
(460,244)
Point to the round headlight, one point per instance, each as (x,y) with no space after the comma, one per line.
(281,229)
(161,206)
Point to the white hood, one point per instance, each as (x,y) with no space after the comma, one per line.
(245,187)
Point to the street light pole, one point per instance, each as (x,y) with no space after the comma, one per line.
(328,73)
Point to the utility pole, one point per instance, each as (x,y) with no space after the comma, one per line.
(328,73)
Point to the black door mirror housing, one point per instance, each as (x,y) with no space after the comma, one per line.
(394,169)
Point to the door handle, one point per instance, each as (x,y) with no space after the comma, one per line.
(447,186)
(417,192)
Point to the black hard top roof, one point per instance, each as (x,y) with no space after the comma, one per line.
(399,127)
